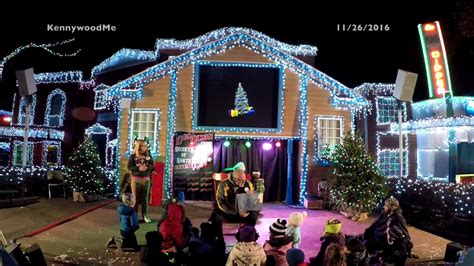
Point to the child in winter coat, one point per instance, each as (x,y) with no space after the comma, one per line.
(128,222)
(279,243)
(332,234)
(247,251)
(172,227)
(294,230)
(357,255)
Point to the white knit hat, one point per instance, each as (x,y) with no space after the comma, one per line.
(278,227)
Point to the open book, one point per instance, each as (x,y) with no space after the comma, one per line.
(245,202)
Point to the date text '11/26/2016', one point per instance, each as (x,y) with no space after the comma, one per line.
(363,27)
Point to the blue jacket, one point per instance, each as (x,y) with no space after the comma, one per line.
(128,218)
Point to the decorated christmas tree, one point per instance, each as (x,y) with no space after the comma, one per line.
(84,173)
(241,103)
(356,185)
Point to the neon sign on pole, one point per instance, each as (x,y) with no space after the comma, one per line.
(436,62)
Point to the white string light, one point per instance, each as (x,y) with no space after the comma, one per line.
(37,132)
(21,110)
(58,77)
(122,57)
(224,32)
(42,46)
(55,120)
(388,160)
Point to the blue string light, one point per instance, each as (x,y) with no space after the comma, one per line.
(5,146)
(170,132)
(303,132)
(239,39)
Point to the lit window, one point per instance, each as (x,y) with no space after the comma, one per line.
(22,110)
(329,133)
(145,124)
(18,154)
(55,109)
(387,110)
(389,163)
(100,99)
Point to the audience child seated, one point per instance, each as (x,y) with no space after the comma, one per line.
(153,253)
(332,234)
(335,255)
(247,251)
(295,257)
(279,242)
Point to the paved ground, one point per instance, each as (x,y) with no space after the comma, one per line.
(83,240)
(16,222)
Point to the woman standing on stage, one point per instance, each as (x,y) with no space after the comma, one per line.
(140,165)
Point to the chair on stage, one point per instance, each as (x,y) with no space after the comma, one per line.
(55,179)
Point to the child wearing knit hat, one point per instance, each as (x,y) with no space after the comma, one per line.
(294,230)
(295,257)
(247,251)
(332,234)
(279,243)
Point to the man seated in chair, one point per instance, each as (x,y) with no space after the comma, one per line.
(226,207)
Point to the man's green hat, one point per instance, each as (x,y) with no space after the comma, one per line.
(237,166)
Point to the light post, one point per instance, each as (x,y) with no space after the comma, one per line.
(26,87)
(404,88)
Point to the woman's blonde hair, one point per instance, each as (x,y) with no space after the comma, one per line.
(136,147)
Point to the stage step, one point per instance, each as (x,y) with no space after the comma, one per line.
(313,203)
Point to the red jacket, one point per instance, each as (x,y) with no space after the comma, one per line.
(172,227)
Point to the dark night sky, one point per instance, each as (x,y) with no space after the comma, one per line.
(350,57)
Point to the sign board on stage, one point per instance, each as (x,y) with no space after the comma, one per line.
(193,165)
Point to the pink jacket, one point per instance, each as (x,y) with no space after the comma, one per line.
(278,252)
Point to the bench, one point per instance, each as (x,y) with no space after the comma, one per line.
(9,194)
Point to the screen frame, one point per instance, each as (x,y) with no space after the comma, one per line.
(195,97)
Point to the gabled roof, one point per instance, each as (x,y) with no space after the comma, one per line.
(302,49)
(341,94)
